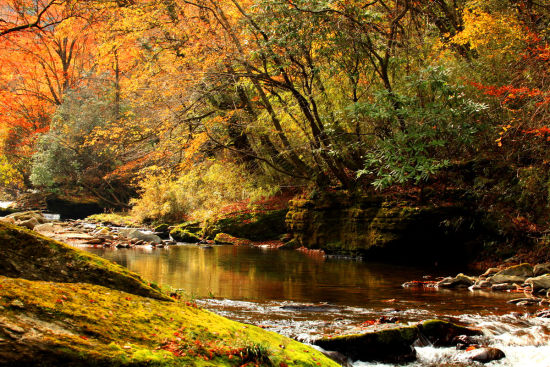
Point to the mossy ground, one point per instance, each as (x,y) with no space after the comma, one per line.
(83,324)
(29,255)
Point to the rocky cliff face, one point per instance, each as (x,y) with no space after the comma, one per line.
(381,230)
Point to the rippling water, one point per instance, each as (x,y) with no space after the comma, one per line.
(306,297)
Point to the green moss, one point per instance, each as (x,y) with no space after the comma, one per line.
(99,326)
(29,255)
(162,228)
(181,234)
(227,239)
(389,345)
(258,226)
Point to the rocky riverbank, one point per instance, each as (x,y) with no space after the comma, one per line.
(62,306)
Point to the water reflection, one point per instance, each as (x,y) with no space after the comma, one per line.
(245,273)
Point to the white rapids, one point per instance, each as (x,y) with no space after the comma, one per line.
(523,338)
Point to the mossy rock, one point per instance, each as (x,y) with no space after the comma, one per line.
(63,324)
(389,345)
(162,228)
(261,226)
(29,255)
(193,227)
(227,239)
(183,235)
(395,345)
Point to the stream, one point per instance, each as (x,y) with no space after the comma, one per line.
(305,297)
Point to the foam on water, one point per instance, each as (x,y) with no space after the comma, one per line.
(524,340)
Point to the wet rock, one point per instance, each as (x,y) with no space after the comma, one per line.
(525,301)
(442,333)
(543,313)
(387,320)
(513,274)
(390,345)
(539,283)
(541,269)
(184,235)
(503,287)
(338,358)
(485,355)
(420,284)
(481,284)
(460,280)
(462,342)
(489,272)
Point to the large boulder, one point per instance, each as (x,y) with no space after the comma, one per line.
(29,255)
(539,283)
(513,274)
(183,235)
(395,345)
(390,345)
(460,280)
(141,236)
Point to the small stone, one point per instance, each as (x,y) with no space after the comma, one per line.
(485,355)
(503,287)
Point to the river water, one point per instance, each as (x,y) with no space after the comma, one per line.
(307,296)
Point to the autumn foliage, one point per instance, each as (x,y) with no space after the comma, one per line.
(208,106)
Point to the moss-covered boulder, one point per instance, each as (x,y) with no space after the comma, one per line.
(256,226)
(227,239)
(390,345)
(395,345)
(183,235)
(26,254)
(64,324)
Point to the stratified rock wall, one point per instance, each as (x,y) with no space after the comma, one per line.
(378,229)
